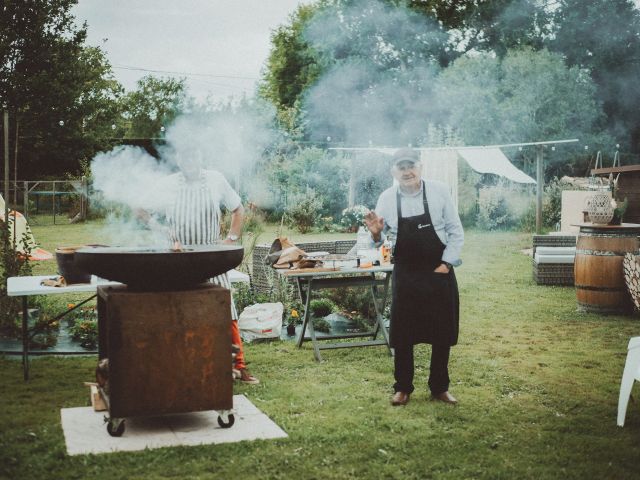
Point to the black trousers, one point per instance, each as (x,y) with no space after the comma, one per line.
(438,369)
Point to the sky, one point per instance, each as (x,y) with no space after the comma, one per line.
(222,44)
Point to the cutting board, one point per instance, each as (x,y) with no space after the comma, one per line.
(309,270)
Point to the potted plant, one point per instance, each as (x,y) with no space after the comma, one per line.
(294,317)
(618,211)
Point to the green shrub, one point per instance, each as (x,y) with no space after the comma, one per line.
(83,326)
(349,300)
(321,325)
(43,333)
(13,264)
(468,184)
(372,178)
(326,224)
(244,295)
(321,307)
(85,332)
(353,217)
(528,218)
(292,175)
(551,207)
(493,210)
(304,210)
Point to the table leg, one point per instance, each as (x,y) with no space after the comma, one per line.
(379,308)
(305,297)
(303,300)
(25,338)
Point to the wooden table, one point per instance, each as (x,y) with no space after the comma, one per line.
(311,280)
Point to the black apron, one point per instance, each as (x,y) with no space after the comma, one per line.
(425,305)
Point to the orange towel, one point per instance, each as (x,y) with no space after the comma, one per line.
(40,254)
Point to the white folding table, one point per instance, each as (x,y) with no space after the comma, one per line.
(31,285)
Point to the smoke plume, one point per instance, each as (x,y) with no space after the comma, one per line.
(127,179)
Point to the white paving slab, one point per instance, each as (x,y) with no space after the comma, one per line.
(85,430)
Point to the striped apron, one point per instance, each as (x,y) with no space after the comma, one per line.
(194,219)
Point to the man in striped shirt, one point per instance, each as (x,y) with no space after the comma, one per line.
(192,200)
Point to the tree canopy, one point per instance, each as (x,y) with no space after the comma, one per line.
(154,104)
(59,93)
(527,95)
(351,45)
(603,36)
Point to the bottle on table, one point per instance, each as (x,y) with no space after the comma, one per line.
(385,252)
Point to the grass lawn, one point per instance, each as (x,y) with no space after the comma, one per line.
(537,383)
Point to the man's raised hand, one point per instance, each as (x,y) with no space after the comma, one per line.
(374,223)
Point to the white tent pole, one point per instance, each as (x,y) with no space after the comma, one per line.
(352,180)
(6,162)
(539,187)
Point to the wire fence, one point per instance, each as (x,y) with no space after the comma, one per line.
(43,202)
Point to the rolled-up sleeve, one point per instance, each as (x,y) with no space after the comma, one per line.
(454,233)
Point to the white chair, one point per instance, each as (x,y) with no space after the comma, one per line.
(630,374)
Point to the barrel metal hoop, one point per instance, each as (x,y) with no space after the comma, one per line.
(601,289)
(609,235)
(600,253)
(606,310)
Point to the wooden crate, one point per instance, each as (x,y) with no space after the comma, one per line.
(169,352)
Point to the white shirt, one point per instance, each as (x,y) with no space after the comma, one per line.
(193,208)
(444,216)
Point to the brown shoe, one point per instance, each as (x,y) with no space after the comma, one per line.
(400,399)
(445,397)
(246,377)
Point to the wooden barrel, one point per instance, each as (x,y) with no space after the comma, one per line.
(599,277)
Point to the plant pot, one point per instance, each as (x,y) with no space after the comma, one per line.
(616,219)
(291,329)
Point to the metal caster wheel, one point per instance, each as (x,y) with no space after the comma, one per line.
(115,427)
(226,420)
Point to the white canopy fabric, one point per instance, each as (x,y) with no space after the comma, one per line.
(492,160)
(481,159)
(442,165)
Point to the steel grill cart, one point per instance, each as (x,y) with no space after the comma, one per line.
(168,352)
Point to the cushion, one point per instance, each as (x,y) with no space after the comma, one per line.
(540,258)
(556,251)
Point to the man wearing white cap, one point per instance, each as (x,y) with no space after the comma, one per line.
(421,218)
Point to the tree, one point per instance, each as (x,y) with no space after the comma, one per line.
(603,36)
(389,35)
(339,59)
(291,65)
(307,170)
(526,96)
(154,104)
(491,26)
(60,94)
